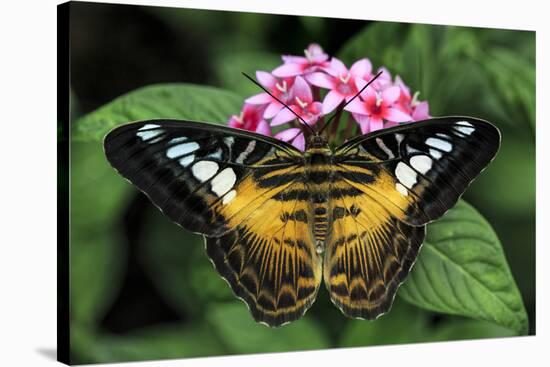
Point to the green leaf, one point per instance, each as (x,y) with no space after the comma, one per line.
(177,263)
(175,101)
(409,324)
(379,42)
(466,329)
(230,67)
(97,197)
(459,70)
(514,79)
(515,165)
(462,270)
(404,324)
(236,327)
(82,340)
(158,342)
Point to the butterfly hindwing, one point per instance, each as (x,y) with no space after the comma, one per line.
(393,182)
(238,189)
(269,261)
(369,253)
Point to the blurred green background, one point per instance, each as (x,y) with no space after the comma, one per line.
(143,288)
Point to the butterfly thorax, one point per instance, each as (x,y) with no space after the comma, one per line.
(318,169)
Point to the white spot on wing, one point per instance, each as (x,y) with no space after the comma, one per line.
(224,181)
(229,140)
(464,127)
(411,150)
(405,174)
(149,131)
(435,153)
(216,155)
(421,163)
(402,189)
(383,146)
(229,197)
(181,149)
(399,138)
(177,140)
(203,170)
(439,144)
(187,160)
(249,148)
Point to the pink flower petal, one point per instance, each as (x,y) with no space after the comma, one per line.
(316,53)
(322,80)
(364,122)
(331,101)
(299,142)
(287,70)
(302,90)
(263,128)
(421,112)
(266,79)
(272,109)
(369,95)
(282,117)
(234,122)
(403,108)
(294,59)
(404,89)
(357,106)
(376,123)
(262,98)
(393,114)
(361,68)
(314,49)
(359,84)
(252,114)
(288,134)
(391,94)
(317,108)
(336,68)
(385,76)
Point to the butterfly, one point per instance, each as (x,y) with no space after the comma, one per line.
(277,221)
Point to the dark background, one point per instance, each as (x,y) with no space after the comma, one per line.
(116,49)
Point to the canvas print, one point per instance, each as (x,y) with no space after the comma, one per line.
(236,183)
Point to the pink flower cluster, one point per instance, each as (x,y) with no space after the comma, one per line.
(299,83)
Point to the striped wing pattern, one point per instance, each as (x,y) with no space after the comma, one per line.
(277,221)
(235,188)
(397,180)
(269,258)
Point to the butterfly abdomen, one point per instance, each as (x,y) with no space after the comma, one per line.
(319,174)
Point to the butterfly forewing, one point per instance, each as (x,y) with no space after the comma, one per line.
(393,182)
(421,169)
(236,188)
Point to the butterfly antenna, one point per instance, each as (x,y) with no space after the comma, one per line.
(281,102)
(348,102)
